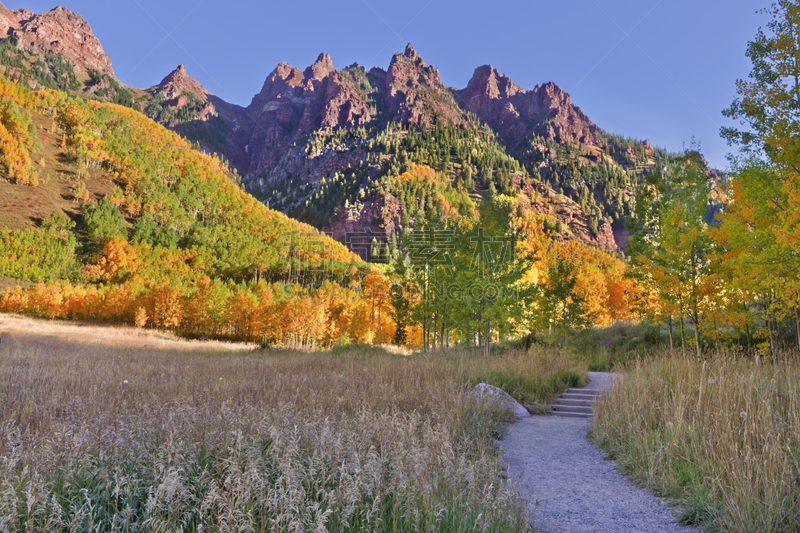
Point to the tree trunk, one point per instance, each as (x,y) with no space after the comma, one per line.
(683,335)
(480,331)
(716,332)
(671,343)
(797,326)
(488,338)
(435,329)
(696,319)
(772,346)
(425,317)
(749,341)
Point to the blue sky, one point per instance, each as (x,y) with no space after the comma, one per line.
(657,69)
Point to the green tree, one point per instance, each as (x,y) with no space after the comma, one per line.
(761,223)
(400,293)
(487,299)
(102,220)
(59,223)
(768,102)
(670,243)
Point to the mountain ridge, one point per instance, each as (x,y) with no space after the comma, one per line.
(305,130)
(58,30)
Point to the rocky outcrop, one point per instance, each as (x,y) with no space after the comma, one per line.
(292,104)
(60,31)
(217,125)
(543,200)
(178,82)
(490,393)
(360,224)
(11,19)
(414,93)
(515,114)
(267,140)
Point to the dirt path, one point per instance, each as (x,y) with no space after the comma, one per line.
(573,488)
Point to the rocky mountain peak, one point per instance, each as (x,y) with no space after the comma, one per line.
(60,31)
(514,113)
(556,93)
(178,82)
(286,72)
(284,77)
(293,104)
(488,81)
(414,93)
(24,14)
(410,55)
(9,20)
(321,69)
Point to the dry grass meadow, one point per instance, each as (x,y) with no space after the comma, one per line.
(115,436)
(115,336)
(721,435)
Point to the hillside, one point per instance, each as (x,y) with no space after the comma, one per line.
(356,127)
(80,152)
(126,222)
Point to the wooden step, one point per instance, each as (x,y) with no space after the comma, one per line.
(572,409)
(576,403)
(593,392)
(574,415)
(574,396)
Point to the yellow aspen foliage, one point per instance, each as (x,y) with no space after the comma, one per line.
(141,317)
(16,158)
(167,307)
(216,285)
(81,193)
(117,259)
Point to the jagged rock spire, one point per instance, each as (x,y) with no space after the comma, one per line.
(321,69)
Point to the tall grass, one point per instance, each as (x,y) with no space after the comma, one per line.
(721,435)
(94,438)
(608,349)
(535,389)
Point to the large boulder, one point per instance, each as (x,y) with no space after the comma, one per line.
(501,397)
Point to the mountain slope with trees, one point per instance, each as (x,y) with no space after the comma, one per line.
(155,233)
(306,129)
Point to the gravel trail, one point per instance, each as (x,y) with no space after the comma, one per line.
(573,487)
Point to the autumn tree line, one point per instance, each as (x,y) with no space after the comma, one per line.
(722,254)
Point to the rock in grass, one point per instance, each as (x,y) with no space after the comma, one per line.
(490,392)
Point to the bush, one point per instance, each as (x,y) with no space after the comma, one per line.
(102,220)
(607,348)
(37,255)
